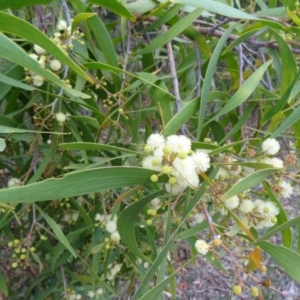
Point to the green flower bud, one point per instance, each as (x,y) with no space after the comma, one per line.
(172,180)
(154,178)
(254,292)
(237,289)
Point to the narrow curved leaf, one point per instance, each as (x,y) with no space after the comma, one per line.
(13,25)
(57,231)
(289,260)
(94,146)
(172,32)
(3,286)
(21,3)
(10,81)
(243,92)
(181,117)
(127,220)
(288,224)
(76,184)
(11,51)
(218,8)
(79,18)
(116,7)
(208,79)
(248,182)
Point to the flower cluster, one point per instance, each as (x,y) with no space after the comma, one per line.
(113,270)
(110,224)
(63,38)
(173,156)
(258,213)
(13,182)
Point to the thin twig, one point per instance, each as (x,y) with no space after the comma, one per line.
(261,54)
(66,11)
(64,282)
(199,75)
(174,77)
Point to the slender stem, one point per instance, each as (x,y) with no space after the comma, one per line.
(174,77)
(64,280)
(199,75)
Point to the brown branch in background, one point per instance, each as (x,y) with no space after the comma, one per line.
(173,72)
(269,82)
(64,280)
(174,77)
(199,74)
(253,42)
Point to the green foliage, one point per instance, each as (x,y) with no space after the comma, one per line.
(130,129)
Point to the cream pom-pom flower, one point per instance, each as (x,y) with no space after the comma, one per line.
(111,226)
(246,206)
(232,202)
(55,65)
(155,140)
(62,25)
(201,161)
(61,117)
(270,146)
(202,247)
(37,80)
(286,189)
(179,143)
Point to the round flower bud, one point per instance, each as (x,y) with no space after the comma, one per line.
(16,242)
(254,292)
(149,222)
(121,111)
(237,289)
(10,244)
(32,249)
(166,170)
(154,178)
(167,150)
(151,212)
(263,269)
(55,65)
(43,238)
(172,180)
(274,220)
(147,149)
(182,155)
(217,242)
(23,256)
(207,140)
(14,265)
(155,162)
